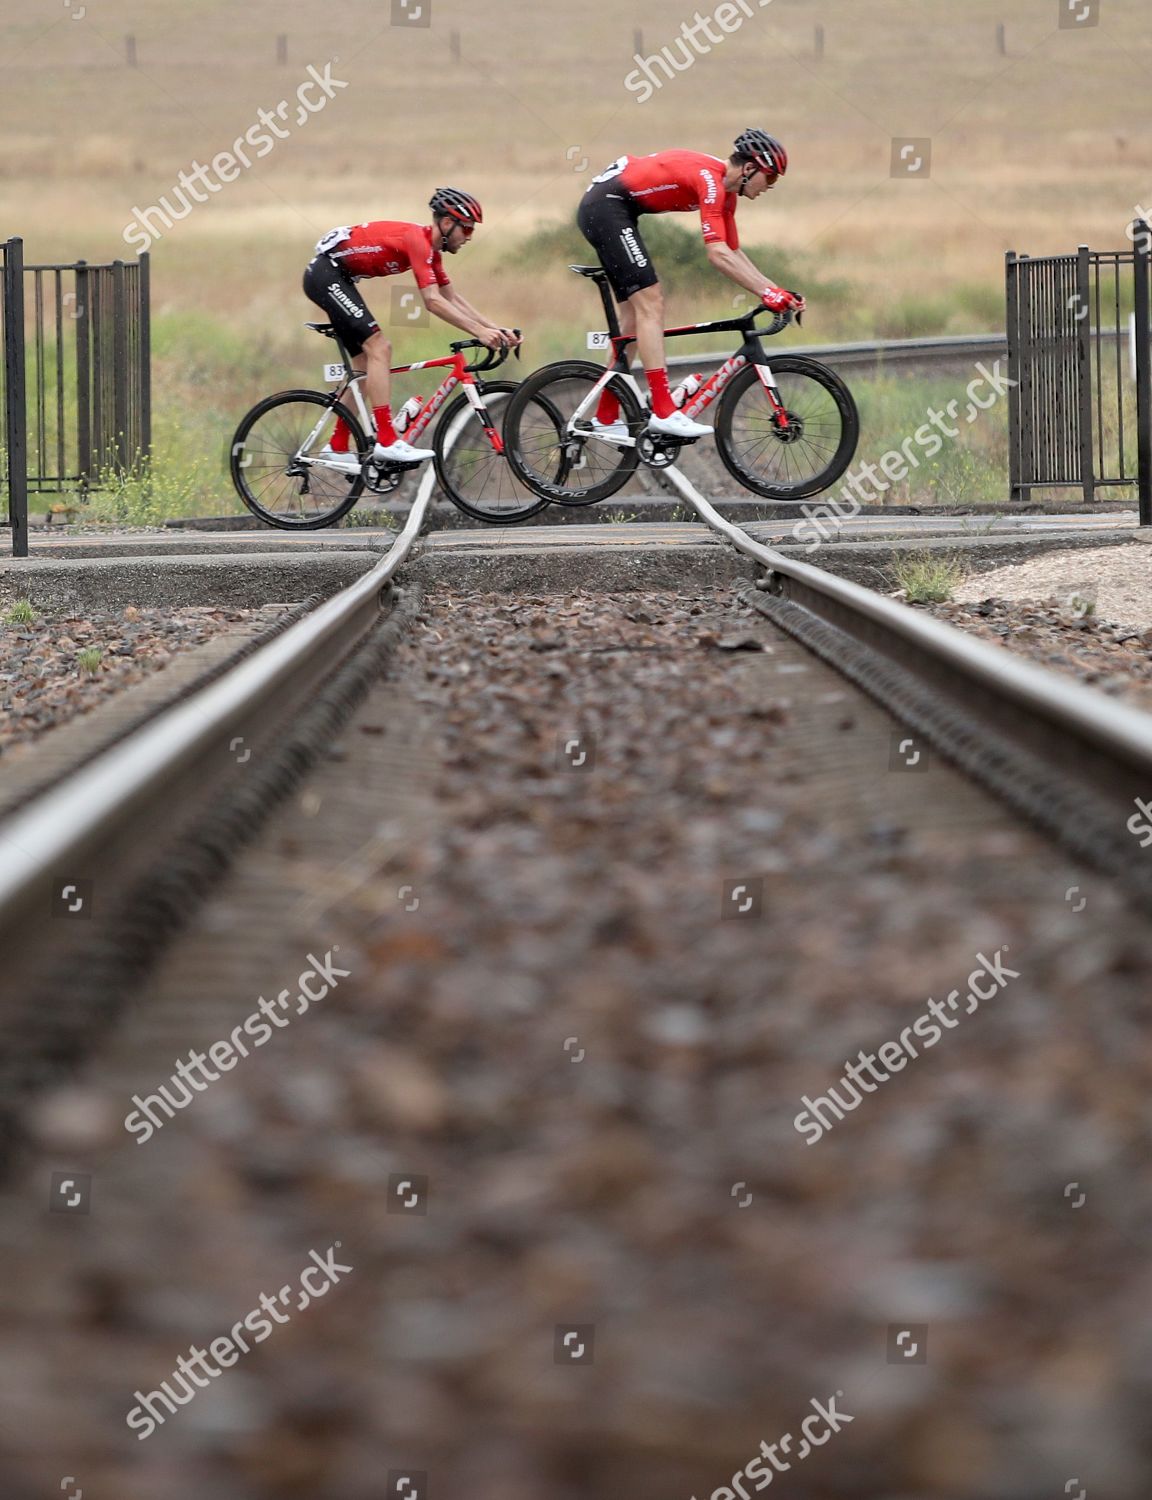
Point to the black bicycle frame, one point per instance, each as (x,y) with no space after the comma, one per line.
(751,349)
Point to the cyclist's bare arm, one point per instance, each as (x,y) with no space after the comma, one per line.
(462,302)
(465,306)
(447,303)
(738,268)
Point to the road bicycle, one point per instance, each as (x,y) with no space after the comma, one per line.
(785,429)
(283,477)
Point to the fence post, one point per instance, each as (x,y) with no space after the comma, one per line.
(1025,291)
(819,41)
(130,50)
(83,375)
(1084,371)
(1012,320)
(15,396)
(281,49)
(1002,40)
(1142,261)
(120,367)
(638,42)
(145,353)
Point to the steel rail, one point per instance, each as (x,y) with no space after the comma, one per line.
(876,353)
(69,824)
(883,354)
(1079,730)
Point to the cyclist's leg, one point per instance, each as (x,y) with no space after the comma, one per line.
(377,358)
(329,286)
(610,224)
(646,309)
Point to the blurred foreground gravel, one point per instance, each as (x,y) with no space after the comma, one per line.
(617,881)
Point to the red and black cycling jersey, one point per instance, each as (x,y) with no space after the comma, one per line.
(679,182)
(385,247)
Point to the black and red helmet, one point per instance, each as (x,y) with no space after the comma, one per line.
(457,204)
(764,150)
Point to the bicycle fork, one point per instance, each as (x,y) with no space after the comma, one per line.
(772,394)
(476,402)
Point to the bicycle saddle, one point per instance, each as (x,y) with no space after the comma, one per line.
(596,272)
(325,328)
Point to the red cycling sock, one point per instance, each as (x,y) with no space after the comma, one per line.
(609,408)
(662,402)
(385,432)
(342,437)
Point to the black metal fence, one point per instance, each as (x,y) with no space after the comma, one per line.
(15,407)
(78,397)
(1078,412)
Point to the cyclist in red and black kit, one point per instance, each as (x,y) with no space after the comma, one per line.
(386,248)
(675,182)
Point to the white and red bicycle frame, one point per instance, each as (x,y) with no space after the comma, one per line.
(350,380)
(749,353)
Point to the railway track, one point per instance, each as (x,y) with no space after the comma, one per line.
(100,867)
(903,356)
(873,356)
(138,832)
(1072,760)
(544,1017)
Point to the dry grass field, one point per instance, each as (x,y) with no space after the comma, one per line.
(1035,150)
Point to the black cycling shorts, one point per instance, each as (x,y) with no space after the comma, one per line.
(609,221)
(328,285)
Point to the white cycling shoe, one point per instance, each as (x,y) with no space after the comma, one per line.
(401,452)
(348,463)
(678,426)
(611,432)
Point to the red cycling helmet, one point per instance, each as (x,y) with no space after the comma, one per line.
(457,204)
(764,150)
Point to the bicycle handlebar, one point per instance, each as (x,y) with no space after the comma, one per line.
(492,357)
(780,320)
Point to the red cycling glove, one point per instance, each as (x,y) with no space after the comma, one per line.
(778,299)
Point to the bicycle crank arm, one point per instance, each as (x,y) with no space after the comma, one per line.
(382,479)
(661,452)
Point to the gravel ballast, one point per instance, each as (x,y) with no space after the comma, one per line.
(1085,614)
(58,666)
(614,884)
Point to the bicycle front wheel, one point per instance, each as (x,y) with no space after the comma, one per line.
(277,468)
(472,474)
(788,461)
(572,467)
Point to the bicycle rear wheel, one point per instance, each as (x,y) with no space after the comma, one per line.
(788,462)
(276,468)
(472,474)
(572,468)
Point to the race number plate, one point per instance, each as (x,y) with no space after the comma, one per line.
(334,372)
(598,341)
